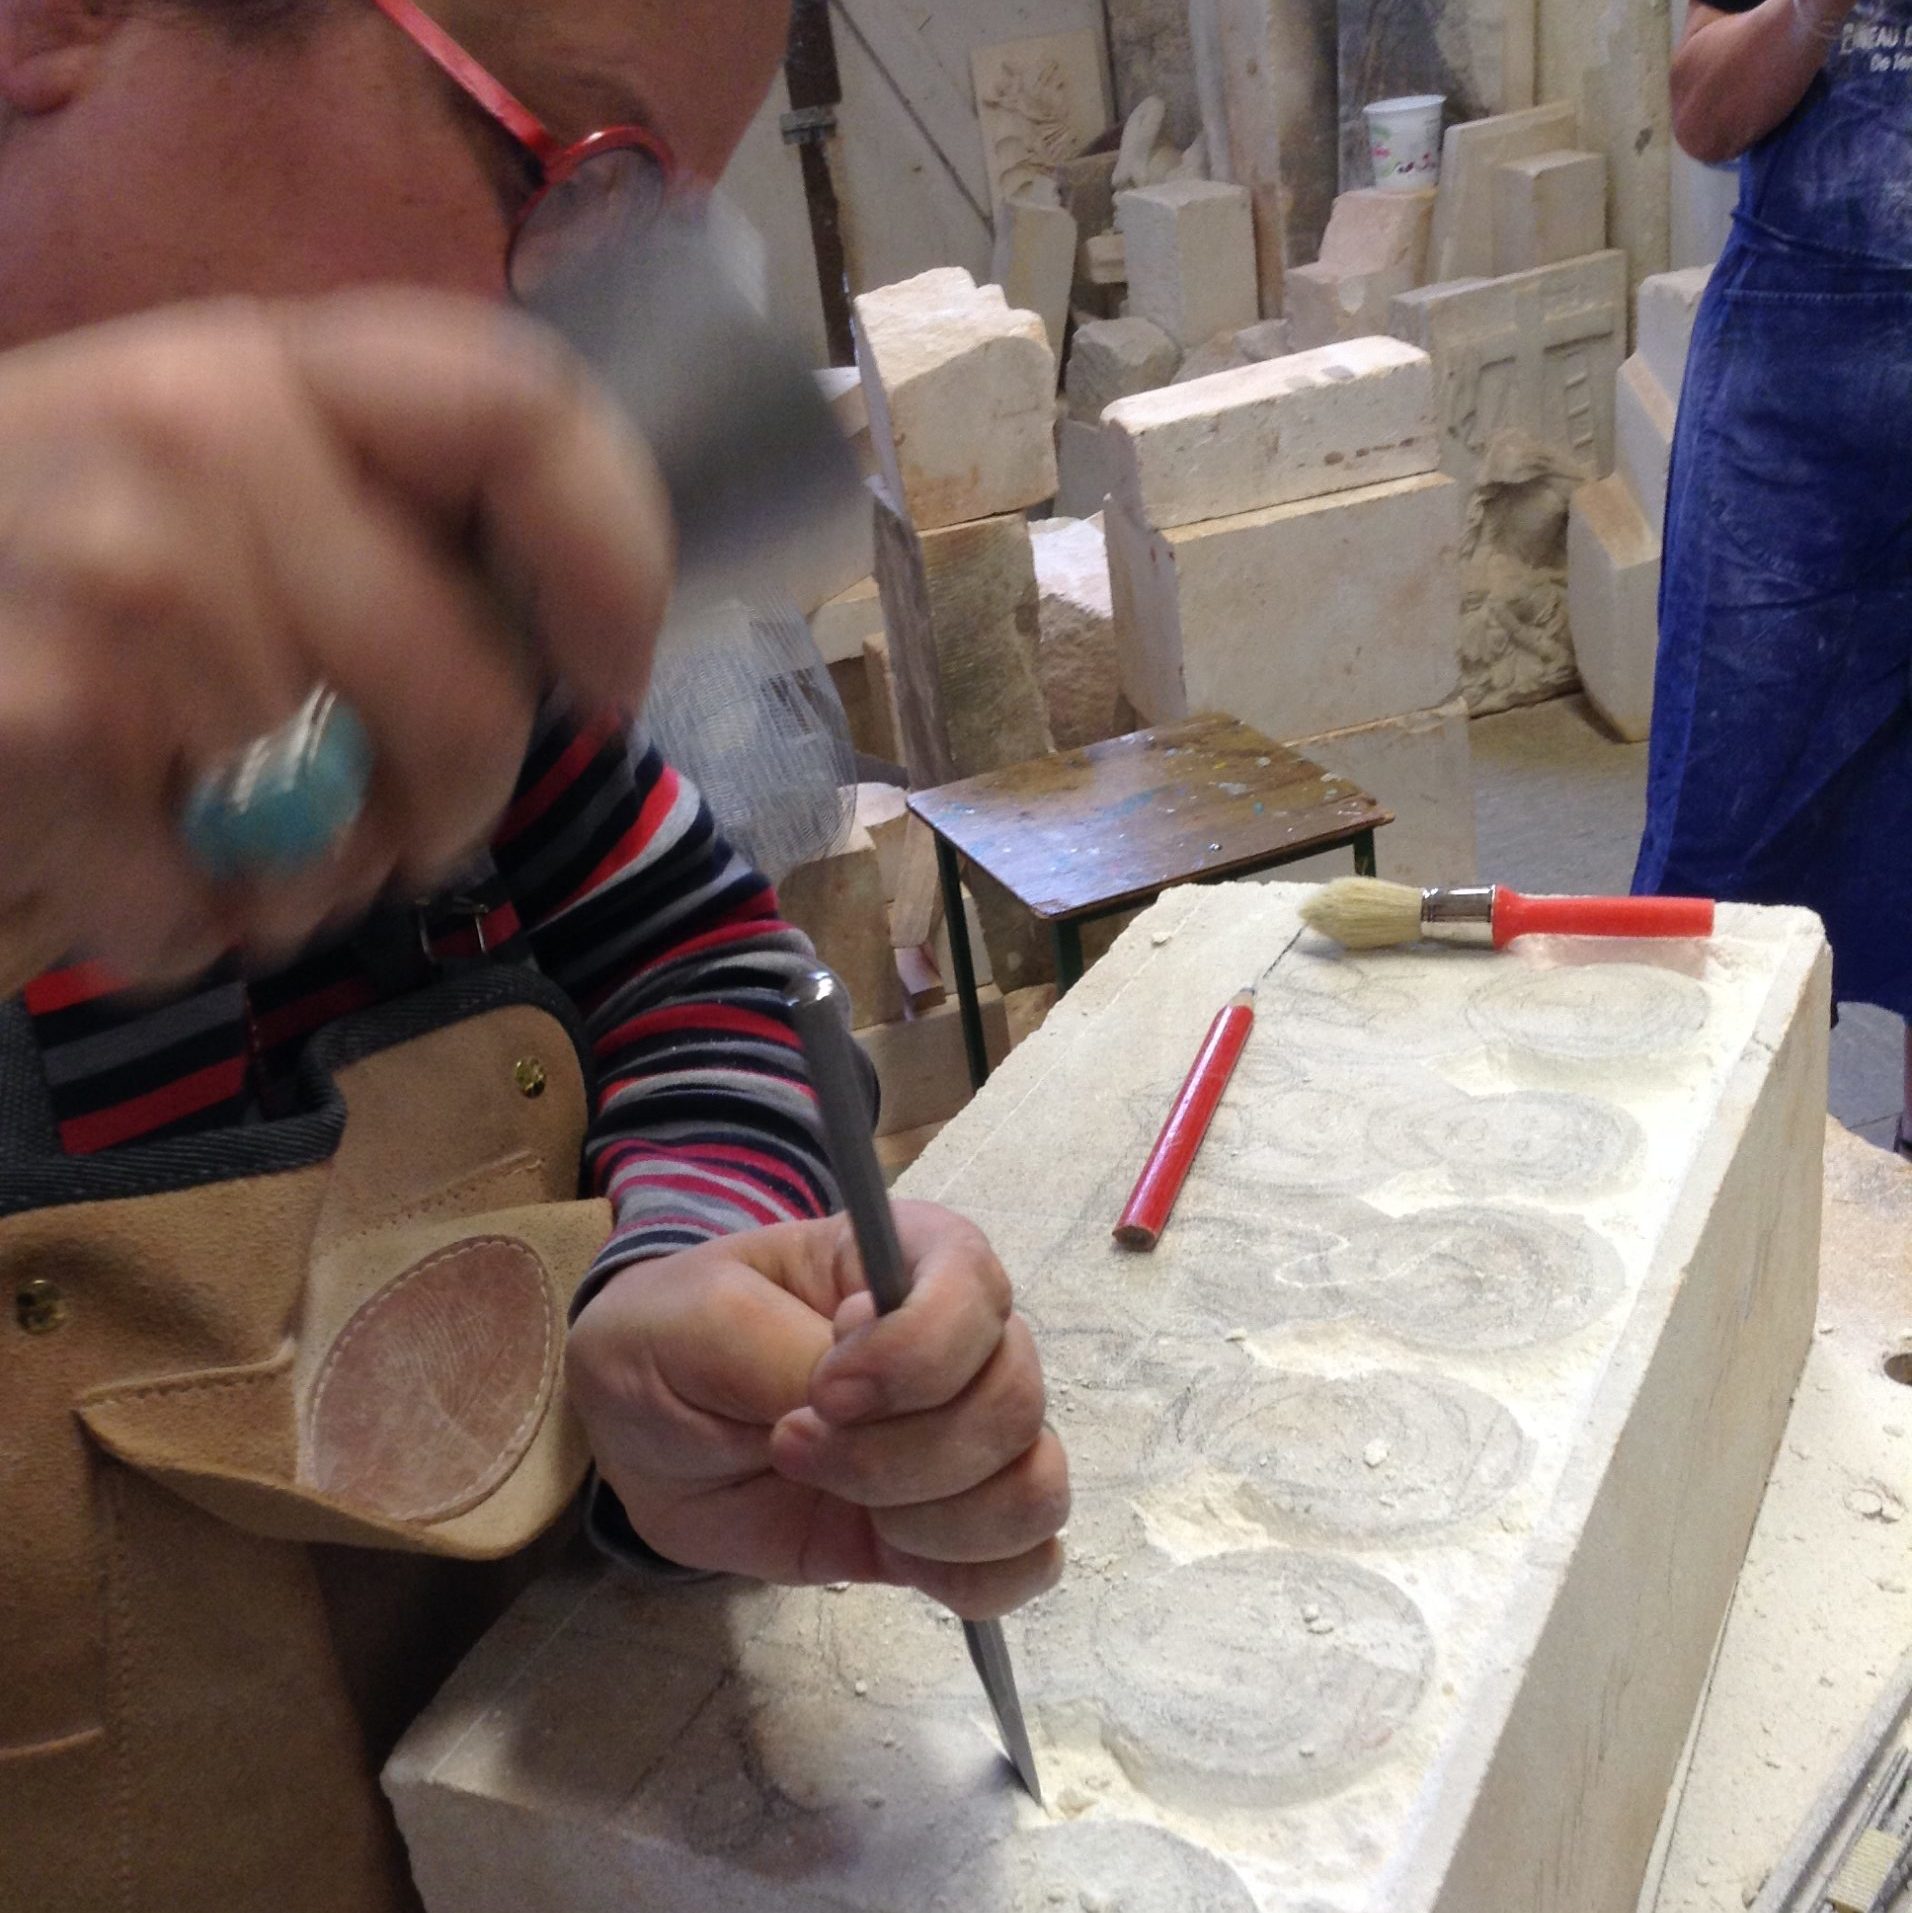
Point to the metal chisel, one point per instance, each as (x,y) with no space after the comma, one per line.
(819,1006)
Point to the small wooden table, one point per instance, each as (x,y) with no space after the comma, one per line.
(1088,833)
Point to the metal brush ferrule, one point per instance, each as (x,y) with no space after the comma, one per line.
(1463,914)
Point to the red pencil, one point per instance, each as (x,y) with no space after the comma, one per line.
(1147,1213)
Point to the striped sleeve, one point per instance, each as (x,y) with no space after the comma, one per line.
(670,944)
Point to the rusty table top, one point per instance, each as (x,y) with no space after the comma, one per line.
(1082,832)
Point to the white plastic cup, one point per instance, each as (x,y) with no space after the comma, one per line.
(1404,137)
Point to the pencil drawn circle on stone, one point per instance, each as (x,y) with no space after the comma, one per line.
(1255,1679)
(1339,1007)
(1592,1013)
(1537,1143)
(1227,1272)
(1110,1866)
(1369,1457)
(1476,1278)
(1321,1137)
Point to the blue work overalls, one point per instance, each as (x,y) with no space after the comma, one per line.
(1781,766)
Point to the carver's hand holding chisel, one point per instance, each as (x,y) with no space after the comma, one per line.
(410,504)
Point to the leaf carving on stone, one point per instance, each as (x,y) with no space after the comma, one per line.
(1037,98)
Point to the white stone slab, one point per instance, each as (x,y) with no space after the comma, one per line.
(1375,249)
(1273,433)
(1189,247)
(1549,208)
(1266,69)
(1035,261)
(1076,656)
(1613,599)
(1462,246)
(1300,619)
(1039,102)
(1668,306)
(1412,1473)
(962,398)
(1421,767)
(1644,415)
(1536,353)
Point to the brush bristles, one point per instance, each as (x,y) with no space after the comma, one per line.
(1363,913)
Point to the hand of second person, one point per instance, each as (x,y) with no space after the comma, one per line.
(206,511)
(755,1416)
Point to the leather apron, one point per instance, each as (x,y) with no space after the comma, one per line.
(261,1393)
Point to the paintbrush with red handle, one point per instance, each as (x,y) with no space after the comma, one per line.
(1362,913)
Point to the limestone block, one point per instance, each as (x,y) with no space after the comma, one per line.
(840,903)
(1035,261)
(1536,353)
(1668,307)
(1480,57)
(1039,102)
(1114,359)
(961,392)
(1643,421)
(1271,339)
(1461,245)
(921,1065)
(841,625)
(1703,201)
(1223,353)
(1265,73)
(883,810)
(1549,207)
(1105,260)
(1190,252)
(1375,249)
(1613,592)
(1270,434)
(1298,619)
(1421,767)
(879,682)
(1412,1473)
(842,388)
(1085,468)
(1076,661)
(1625,96)
(978,944)
(960,609)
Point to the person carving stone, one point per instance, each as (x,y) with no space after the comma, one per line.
(290,1210)
(1781,758)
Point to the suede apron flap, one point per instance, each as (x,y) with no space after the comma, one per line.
(432,1424)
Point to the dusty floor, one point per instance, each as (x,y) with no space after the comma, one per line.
(1560,804)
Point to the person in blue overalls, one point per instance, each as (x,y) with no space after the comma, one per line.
(1781,767)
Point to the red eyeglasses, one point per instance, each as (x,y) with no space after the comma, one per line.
(610,182)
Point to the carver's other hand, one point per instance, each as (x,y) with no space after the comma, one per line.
(754,1415)
(208,510)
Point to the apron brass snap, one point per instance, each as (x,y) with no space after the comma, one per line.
(39,1306)
(530,1077)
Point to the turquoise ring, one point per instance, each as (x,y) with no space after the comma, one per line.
(287,800)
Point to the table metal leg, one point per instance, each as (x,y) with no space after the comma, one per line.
(1364,865)
(1068,940)
(967,1001)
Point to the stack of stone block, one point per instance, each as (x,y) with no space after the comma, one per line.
(1613,540)
(1525,318)
(1284,549)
